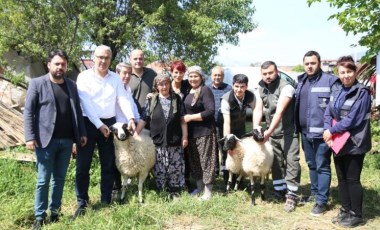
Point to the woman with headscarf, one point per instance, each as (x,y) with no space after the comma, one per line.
(169,133)
(199,108)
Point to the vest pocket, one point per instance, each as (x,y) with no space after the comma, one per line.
(323,102)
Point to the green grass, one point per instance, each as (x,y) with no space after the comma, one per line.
(234,211)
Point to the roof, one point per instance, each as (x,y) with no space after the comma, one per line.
(11,127)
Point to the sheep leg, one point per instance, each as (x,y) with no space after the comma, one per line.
(252,188)
(123,188)
(238,179)
(229,183)
(262,187)
(142,178)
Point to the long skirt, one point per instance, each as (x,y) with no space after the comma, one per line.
(169,170)
(203,154)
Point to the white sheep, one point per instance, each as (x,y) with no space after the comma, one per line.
(234,161)
(257,158)
(134,155)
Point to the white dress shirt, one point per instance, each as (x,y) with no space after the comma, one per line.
(119,114)
(100,95)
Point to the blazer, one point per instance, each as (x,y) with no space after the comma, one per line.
(40,111)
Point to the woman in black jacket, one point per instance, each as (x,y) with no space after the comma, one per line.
(164,112)
(348,114)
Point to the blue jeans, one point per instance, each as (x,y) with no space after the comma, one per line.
(52,160)
(318,158)
(84,159)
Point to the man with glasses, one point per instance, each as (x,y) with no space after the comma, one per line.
(100,90)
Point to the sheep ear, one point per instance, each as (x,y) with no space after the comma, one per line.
(221,141)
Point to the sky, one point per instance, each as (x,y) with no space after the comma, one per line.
(286,31)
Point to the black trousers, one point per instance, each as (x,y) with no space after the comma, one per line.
(348,170)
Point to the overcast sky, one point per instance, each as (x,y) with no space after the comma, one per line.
(286,30)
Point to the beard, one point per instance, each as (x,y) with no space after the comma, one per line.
(58,75)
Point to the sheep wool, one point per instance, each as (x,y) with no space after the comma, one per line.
(139,157)
(258,159)
(134,156)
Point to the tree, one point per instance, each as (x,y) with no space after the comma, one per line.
(359,17)
(298,68)
(164,29)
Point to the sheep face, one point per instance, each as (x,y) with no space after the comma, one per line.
(258,135)
(228,142)
(120,130)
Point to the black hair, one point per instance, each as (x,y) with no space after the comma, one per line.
(59,53)
(312,53)
(240,78)
(267,64)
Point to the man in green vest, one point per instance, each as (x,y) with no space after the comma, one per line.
(277,96)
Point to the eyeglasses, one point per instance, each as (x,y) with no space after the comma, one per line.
(103,57)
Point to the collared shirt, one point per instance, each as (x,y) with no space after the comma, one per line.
(218,93)
(99,96)
(119,114)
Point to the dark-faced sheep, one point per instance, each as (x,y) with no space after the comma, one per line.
(251,156)
(134,155)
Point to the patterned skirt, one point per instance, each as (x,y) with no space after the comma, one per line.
(203,154)
(169,170)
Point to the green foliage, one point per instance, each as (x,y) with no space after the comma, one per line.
(359,17)
(165,29)
(375,132)
(298,68)
(372,161)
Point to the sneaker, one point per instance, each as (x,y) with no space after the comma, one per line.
(290,203)
(37,224)
(79,212)
(352,220)
(318,209)
(343,213)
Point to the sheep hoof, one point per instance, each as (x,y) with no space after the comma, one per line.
(253,201)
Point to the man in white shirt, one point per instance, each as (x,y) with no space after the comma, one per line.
(100,90)
(277,97)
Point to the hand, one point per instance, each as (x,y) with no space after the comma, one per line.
(31,145)
(149,96)
(105,131)
(131,126)
(327,136)
(74,151)
(267,134)
(185,142)
(83,141)
(186,118)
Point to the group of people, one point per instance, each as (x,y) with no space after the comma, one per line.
(187,117)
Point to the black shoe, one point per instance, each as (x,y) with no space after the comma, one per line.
(343,213)
(352,220)
(54,218)
(37,224)
(79,212)
(279,195)
(318,209)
